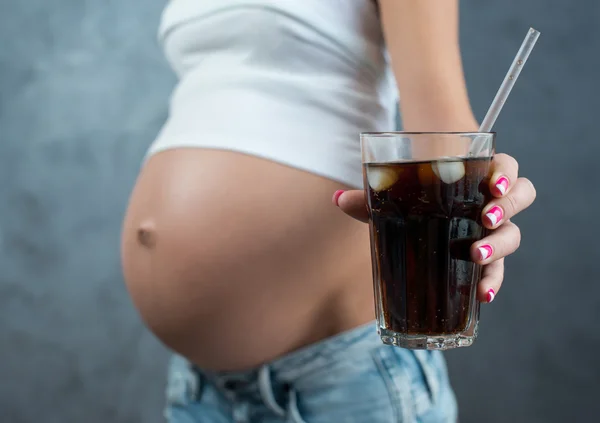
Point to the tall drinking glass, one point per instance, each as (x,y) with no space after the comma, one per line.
(425,193)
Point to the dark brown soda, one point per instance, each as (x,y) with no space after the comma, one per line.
(422,230)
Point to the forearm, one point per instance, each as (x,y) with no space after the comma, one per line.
(423,42)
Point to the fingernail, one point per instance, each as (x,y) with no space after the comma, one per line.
(502,184)
(494,215)
(491,295)
(485,251)
(336,196)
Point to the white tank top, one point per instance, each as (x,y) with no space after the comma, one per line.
(292,81)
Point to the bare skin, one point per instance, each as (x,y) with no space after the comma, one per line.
(233,260)
(231,286)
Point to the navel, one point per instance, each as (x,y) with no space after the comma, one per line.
(146,234)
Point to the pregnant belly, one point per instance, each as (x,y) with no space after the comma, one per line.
(233,260)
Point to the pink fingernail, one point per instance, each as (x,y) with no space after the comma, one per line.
(502,184)
(485,251)
(494,215)
(336,196)
(491,295)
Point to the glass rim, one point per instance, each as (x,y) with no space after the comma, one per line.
(392,133)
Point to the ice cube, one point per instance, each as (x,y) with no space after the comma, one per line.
(449,172)
(382,177)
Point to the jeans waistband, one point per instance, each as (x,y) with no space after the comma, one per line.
(274,383)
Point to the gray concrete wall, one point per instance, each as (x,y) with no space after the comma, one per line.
(83,90)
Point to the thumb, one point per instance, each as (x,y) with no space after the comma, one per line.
(352,203)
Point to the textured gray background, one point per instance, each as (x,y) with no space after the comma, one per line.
(83,90)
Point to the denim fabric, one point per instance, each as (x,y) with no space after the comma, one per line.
(349,378)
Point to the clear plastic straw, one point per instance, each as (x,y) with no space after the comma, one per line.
(509,81)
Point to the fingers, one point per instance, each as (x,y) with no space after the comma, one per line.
(513,195)
(505,171)
(520,196)
(490,283)
(490,251)
(352,203)
(502,242)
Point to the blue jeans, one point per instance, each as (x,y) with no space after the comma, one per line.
(349,378)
